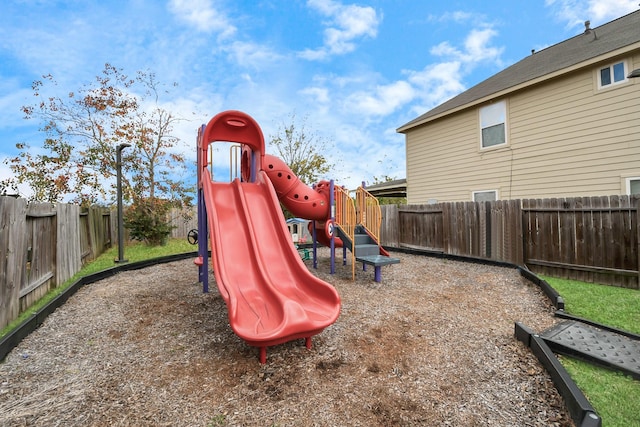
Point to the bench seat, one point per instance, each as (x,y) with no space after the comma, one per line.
(377,260)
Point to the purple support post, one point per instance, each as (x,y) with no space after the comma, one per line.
(378,274)
(332,219)
(203,235)
(315,244)
(252,178)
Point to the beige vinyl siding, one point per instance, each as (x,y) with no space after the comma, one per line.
(444,162)
(565,138)
(570,139)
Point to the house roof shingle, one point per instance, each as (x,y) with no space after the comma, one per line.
(606,38)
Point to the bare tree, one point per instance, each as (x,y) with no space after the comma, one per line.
(303,151)
(83,130)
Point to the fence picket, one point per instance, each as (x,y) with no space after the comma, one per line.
(13,252)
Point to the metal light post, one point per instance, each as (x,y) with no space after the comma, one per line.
(119,184)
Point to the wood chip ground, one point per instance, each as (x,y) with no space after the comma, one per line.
(431,345)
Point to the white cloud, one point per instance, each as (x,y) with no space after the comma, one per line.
(24,190)
(436,84)
(456,16)
(575,12)
(606,10)
(369,98)
(314,54)
(317,94)
(203,15)
(47,48)
(381,100)
(345,24)
(477,48)
(13,97)
(251,55)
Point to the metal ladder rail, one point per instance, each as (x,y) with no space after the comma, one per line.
(345,219)
(369,214)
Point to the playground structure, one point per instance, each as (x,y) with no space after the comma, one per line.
(300,230)
(271,296)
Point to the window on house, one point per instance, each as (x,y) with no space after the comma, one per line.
(485,196)
(633,186)
(613,74)
(493,123)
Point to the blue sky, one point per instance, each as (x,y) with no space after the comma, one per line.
(355,70)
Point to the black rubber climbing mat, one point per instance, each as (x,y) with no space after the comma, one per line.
(600,346)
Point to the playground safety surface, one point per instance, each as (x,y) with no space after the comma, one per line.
(602,346)
(432,344)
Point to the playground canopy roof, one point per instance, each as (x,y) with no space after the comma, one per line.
(396,188)
(297,221)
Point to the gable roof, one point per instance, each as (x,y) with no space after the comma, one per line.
(609,37)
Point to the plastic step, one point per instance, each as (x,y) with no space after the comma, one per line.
(604,347)
(366,250)
(363,239)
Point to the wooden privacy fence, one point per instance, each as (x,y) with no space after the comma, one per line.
(593,239)
(42,245)
(183,220)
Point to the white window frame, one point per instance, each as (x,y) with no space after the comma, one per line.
(474,193)
(610,67)
(492,115)
(628,183)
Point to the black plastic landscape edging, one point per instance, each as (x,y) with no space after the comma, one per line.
(11,340)
(551,293)
(581,411)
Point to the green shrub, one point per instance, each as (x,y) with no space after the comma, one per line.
(147,220)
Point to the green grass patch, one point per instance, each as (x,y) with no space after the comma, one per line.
(609,305)
(616,397)
(133,252)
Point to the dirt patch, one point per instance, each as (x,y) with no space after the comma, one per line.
(431,345)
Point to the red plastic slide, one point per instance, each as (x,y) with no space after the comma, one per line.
(301,200)
(270,294)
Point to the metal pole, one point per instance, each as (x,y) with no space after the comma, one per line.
(332,218)
(119,196)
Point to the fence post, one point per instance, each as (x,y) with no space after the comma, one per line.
(638,242)
(487,240)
